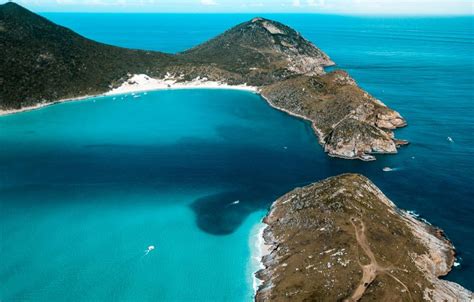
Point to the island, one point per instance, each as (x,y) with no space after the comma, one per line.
(342,239)
(44,63)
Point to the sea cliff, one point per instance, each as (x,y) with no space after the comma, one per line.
(342,239)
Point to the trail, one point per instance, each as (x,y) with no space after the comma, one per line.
(373,269)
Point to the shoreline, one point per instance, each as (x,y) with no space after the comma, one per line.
(258,249)
(369,156)
(317,131)
(141,83)
(43,105)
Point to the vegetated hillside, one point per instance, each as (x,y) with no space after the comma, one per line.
(42,61)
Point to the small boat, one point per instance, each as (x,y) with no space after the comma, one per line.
(387,169)
(149,249)
(450,139)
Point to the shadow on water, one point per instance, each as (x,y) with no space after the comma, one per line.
(249,172)
(248,175)
(222,213)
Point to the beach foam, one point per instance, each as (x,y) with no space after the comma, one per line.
(258,249)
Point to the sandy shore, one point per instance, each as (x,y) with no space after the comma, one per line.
(142,83)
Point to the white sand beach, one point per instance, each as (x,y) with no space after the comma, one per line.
(143,83)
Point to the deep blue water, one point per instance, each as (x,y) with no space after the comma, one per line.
(84,193)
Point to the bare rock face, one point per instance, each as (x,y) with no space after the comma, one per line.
(352,138)
(389,119)
(350,123)
(341,239)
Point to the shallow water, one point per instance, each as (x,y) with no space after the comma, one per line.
(85,193)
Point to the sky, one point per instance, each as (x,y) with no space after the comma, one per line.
(356,7)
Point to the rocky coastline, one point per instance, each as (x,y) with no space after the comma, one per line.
(349,122)
(342,239)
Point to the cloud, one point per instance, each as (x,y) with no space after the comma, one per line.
(317,3)
(208,2)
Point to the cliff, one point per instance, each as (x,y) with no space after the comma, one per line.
(43,62)
(341,239)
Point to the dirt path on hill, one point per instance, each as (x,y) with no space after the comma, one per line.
(373,269)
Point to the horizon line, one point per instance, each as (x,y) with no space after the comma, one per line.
(260,13)
(348,13)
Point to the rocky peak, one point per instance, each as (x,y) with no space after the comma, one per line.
(262,46)
(268,25)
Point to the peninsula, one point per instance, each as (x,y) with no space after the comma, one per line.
(43,63)
(342,239)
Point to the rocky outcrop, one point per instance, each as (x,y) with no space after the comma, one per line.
(42,63)
(350,123)
(342,239)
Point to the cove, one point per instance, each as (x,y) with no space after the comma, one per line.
(87,186)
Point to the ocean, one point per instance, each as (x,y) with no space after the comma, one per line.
(86,187)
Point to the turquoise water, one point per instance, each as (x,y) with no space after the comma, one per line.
(84,195)
(87,186)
